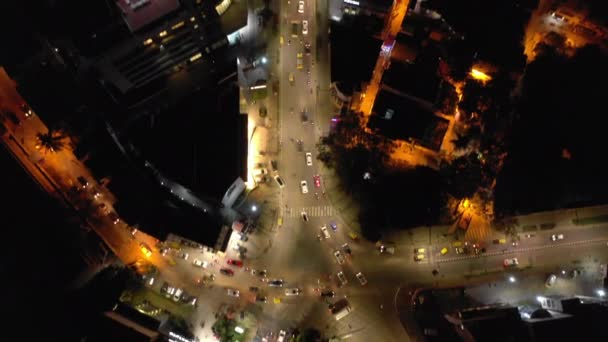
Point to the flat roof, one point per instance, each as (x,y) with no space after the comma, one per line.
(353,54)
(409,119)
(417,81)
(139,13)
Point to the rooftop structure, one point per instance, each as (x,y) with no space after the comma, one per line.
(139,13)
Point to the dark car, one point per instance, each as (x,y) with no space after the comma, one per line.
(227,272)
(276,283)
(254,289)
(261,299)
(346,249)
(328,294)
(233,262)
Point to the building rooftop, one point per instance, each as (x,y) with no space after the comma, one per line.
(398,116)
(139,13)
(353,54)
(416,81)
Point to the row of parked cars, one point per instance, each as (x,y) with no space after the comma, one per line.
(177,294)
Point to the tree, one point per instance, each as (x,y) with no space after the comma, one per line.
(309,335)
(224,328)
(51,141)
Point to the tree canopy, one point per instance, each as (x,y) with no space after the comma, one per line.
(553,156)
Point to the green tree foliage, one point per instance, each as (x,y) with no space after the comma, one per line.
(51,141)
(309,335)
(388,198)
(559,137)
(224,328)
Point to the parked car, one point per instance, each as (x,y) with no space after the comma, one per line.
(324,232)
(384,249)
(227,272)
(304,27)
(145,249)
(361,278)
(551,279)
(275,283)
(282,333)
(328,293)
(177,295)
(346,249)
(259,273)
(234,262)
(279,181)
(300,6)
(199,263)
(304,187)
(184,255)
(27,111)
(339,257)
(510,262)
(308,158)
(317,181)
(418,257)
(293,292)
(233,292)
(556,237)
(419,250)
(342,278)
(261,299)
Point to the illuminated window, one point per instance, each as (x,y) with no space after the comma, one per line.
(195,57)
(178,25)
(162,34)
(192,19)
(148,41)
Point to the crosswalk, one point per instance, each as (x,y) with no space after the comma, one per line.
(318,211)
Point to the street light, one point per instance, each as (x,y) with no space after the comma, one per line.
(254,208)
(264,60)
(512,279)
(601,293)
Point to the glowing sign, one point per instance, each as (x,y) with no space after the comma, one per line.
(352,2)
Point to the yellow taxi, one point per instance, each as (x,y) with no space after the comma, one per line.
(444,251)
(145,249)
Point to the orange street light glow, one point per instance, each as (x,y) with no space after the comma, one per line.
(479,75)
(465,203)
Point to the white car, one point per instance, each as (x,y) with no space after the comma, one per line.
(304,27)
(339,257)
(300,6)
(342,278)
(177,295)
(232,292)
(304,187)
(199,263)
(361,278)
(325,232)
(308,158)
(293,292)
(282,335)
(555,237)
(551,280)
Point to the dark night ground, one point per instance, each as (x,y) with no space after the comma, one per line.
(37,261)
